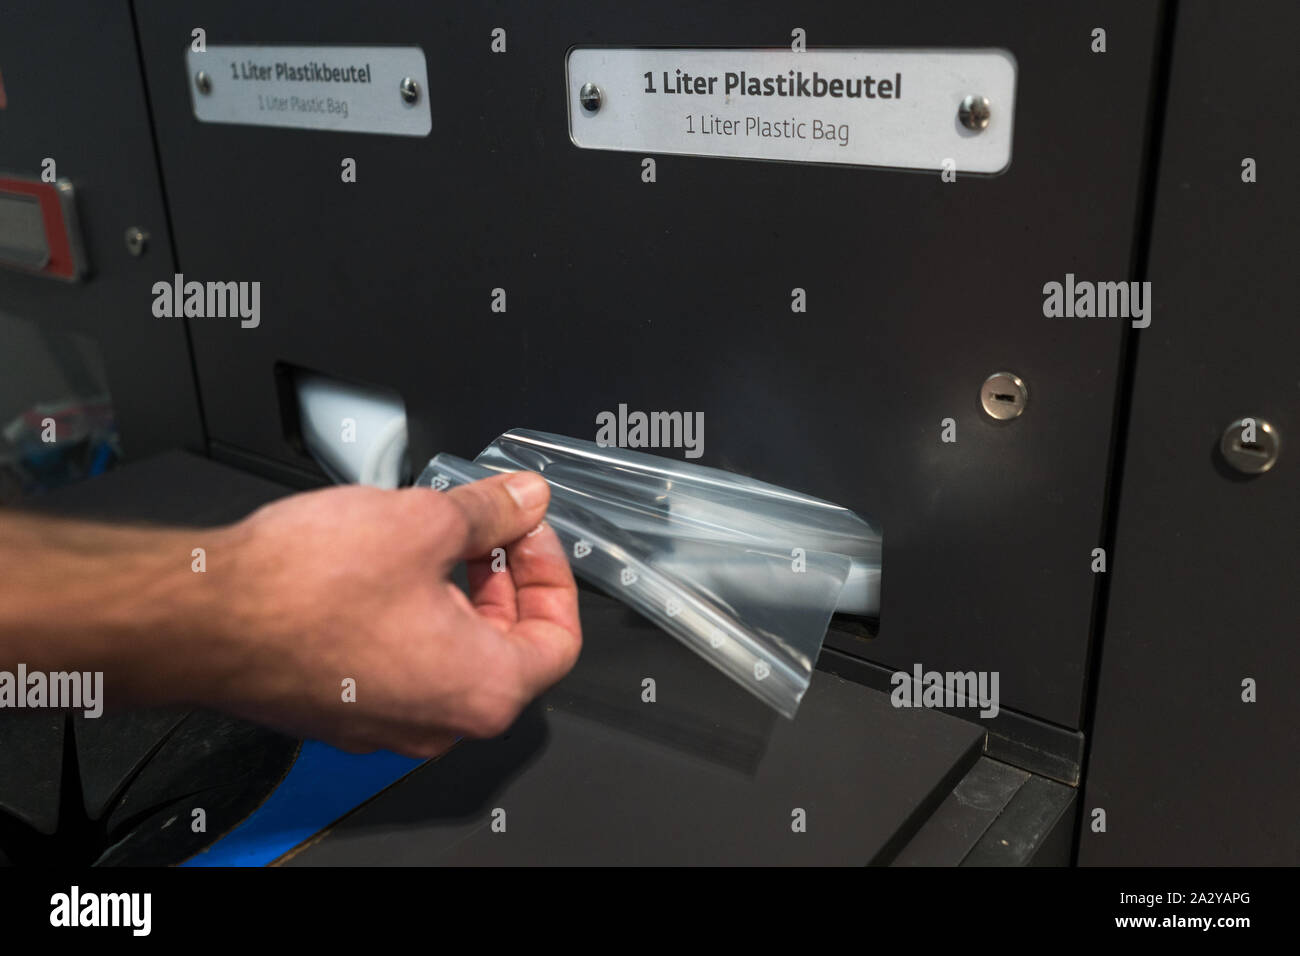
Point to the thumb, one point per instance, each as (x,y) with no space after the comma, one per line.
(499,510)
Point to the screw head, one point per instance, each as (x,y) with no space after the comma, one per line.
(137,240)
(1004,396)
(589,96)
(1250,445)
(203,82)
(974,113)
(410,90)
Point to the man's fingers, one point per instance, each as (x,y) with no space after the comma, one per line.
(543,580)
(547,652)
(536,562)
(498,510)
(548,629)
(534,600)
(492,590)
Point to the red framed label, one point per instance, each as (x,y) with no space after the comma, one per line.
(56,201)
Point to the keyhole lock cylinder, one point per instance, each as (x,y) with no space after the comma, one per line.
(1004,396)
(1250,445)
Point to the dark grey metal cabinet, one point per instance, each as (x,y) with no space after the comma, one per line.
(1204,589)
(74,94)
(676,294)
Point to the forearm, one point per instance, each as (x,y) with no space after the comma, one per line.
(124,601)
(328,614)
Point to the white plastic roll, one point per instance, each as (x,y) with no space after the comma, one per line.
(357,435)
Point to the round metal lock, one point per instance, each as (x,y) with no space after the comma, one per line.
(1250,445)
(1004,396)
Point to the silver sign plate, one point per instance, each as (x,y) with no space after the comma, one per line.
(348,89)
(891,108)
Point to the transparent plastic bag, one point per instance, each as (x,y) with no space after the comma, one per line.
(744,573)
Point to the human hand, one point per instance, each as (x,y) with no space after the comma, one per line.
(353,583)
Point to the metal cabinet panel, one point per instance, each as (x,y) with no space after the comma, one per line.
(74,93)
(677,294)
(1203,594)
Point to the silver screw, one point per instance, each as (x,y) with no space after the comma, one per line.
(410,90)
(974,113)
(136,241)
(589,96)
(203,82)
(1250,458)
(1004,396)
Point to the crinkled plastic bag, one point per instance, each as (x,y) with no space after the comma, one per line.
(744,573)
